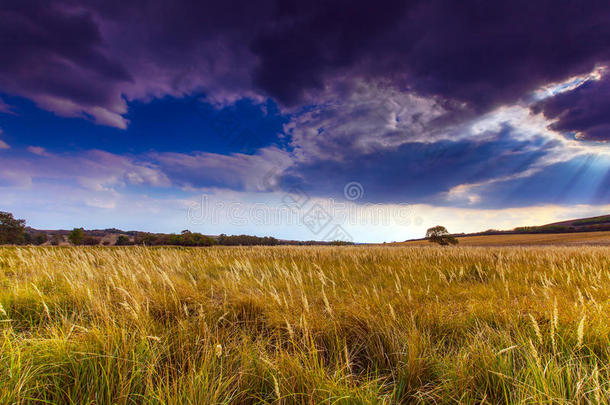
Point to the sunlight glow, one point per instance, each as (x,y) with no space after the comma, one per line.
(572,83)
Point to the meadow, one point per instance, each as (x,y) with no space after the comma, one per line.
(304,325)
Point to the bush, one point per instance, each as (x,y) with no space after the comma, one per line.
(76,236)
(123,240)
(91,241)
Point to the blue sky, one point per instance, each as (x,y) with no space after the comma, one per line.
(401,117)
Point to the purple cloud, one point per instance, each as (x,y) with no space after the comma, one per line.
(584,110)
(56,56)
(88,58)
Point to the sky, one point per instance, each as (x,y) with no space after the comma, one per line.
(309,120)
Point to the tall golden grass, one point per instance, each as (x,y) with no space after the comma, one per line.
(304,325)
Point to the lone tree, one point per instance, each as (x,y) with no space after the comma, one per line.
(440,235)
(76,236)
(12,231)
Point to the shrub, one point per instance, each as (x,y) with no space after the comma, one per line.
(76,236)
(90,241)
(123,240)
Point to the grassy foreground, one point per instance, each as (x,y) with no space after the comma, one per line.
(311,325)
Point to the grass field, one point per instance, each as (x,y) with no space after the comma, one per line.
(305,325)
(570,239)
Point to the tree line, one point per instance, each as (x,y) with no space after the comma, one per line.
(14,231)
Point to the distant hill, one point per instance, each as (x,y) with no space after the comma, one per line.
(593,230)
(603,220)
(528,239)
(592,224)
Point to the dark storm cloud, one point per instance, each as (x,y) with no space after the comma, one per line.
(314,39)
(482,53)
(585,110)
(80,58)
(47,49)
(40,28)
